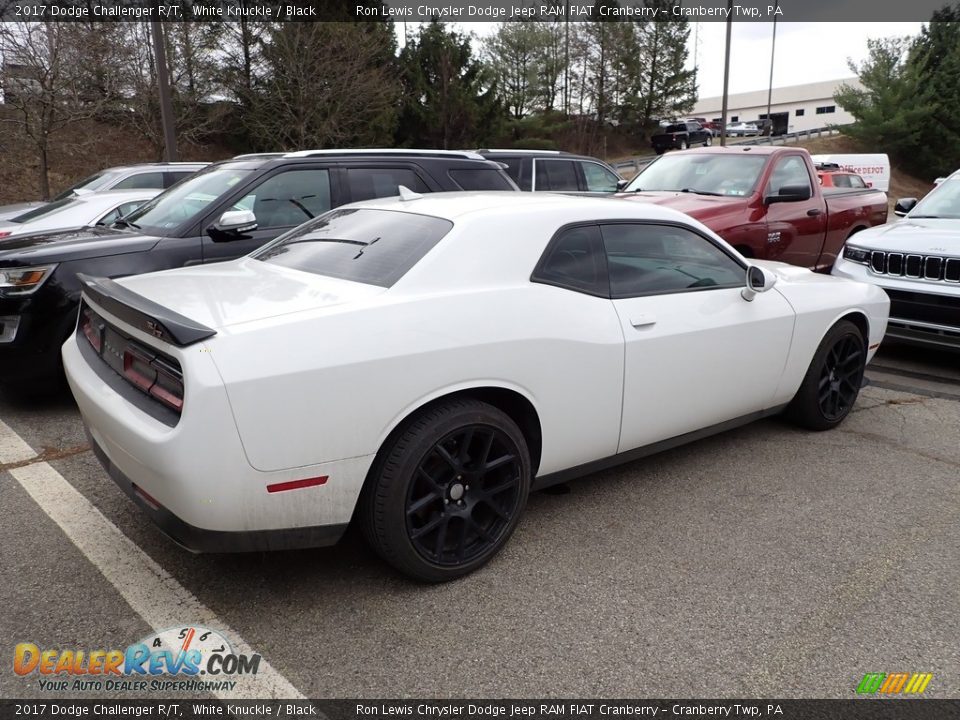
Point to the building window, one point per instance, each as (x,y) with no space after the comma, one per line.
(826,109)
(800,112)
(735,118)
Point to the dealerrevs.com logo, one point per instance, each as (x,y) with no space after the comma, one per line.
(186,659)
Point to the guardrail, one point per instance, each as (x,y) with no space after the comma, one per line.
(635,164)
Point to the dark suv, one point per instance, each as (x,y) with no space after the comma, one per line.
(227,210)
(556,171)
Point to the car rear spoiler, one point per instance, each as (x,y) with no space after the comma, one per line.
(144,314)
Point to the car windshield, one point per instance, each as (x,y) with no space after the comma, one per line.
(706,173)
(944,202)
(375,247)
(92,184)
(185,200)
(51,208)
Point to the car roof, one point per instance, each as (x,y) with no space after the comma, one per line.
(453,205)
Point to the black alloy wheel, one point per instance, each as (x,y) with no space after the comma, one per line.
(832,383)
(446,490)
(840,378)
(464,495)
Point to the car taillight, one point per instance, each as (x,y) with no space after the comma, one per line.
(155,377)
(5,233)
(92,330)
(168,388)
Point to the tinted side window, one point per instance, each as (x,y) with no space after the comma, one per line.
(368,183)
(479,179)
(661,259)
(574,260)
(841,181)
(598,178)
(857,181)
(513,166)
(141,181)
(556,175)
(791,170)
(290,198)
(172,178)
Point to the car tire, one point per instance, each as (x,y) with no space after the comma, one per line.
(428,507)
(708,141)
(683,145)
(832,382)
(658,151)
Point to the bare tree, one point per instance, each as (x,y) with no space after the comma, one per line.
(43,91)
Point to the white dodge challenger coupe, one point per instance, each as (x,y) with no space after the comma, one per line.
(422,363)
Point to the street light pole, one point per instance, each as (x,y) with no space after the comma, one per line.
(726,74)
(773,49)
(163,88)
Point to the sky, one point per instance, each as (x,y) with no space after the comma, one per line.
(805,52)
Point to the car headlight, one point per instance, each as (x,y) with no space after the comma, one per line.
(15,282)
(856,254)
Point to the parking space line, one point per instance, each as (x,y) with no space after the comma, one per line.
(150,590)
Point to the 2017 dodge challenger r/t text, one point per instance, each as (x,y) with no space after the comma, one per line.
(421,363)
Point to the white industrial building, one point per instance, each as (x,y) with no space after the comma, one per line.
(800,107)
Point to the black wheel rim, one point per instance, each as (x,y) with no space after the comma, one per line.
(840,377)
(464,495)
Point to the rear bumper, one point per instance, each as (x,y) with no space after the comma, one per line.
(194,480)
(199,540)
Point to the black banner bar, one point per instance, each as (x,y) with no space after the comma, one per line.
(466,11)
(854,709)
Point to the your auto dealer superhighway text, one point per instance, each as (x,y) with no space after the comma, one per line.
(561,710)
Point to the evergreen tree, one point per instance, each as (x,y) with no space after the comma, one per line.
(449,97)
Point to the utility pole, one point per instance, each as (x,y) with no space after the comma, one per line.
(566,60)
(726,73)
(773,49)
(163,88)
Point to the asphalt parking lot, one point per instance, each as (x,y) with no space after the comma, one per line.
(763,562)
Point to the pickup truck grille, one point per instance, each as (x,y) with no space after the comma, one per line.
(918,267)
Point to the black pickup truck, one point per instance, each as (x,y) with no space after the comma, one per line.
(225,211)
(681,136)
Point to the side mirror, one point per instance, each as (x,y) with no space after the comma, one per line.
(903,206)
(232,224)
(790,193)
(621,184)
(758,280)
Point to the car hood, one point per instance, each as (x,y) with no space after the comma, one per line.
(923,236)
(245,290)
(697,206)
(78,244)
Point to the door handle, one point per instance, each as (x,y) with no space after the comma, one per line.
(639,321)
(813,212)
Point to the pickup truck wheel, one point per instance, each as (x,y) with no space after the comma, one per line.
(832,383)
(709,141)
(447,492)
(683,145)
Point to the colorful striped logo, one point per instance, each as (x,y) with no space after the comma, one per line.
(894,683)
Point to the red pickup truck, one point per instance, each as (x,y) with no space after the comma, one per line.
(765,201)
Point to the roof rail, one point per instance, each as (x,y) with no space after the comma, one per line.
(256,156)
(463,154)
(522,151)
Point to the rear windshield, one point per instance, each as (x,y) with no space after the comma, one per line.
(92,183)
(480,179)
(375,247)
(676,128)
